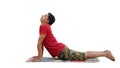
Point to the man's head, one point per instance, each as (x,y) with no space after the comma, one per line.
(48,18)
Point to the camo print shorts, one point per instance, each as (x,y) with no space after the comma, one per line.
(68,54)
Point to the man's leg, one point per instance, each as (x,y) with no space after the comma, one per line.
(95,54)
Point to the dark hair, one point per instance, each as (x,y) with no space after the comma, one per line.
(51,18)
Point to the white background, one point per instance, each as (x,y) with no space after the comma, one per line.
(82,25)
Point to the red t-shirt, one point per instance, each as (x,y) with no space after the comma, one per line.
(50,42)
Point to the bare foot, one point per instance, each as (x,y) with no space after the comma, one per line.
(109,55)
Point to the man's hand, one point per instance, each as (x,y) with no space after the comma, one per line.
(35,59)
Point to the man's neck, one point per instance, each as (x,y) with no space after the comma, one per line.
(43,23)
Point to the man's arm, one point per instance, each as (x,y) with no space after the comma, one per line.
(40,46)
(40,49)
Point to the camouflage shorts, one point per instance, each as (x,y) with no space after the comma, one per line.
(68,54)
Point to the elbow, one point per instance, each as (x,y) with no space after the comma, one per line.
(40,43)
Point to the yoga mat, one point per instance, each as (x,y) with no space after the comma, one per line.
(49,59)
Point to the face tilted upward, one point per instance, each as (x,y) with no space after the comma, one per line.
(44,18)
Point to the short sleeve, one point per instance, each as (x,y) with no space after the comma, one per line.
(43,29)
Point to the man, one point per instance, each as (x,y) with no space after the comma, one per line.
(60,50)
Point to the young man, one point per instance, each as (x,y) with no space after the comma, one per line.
(60,50)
